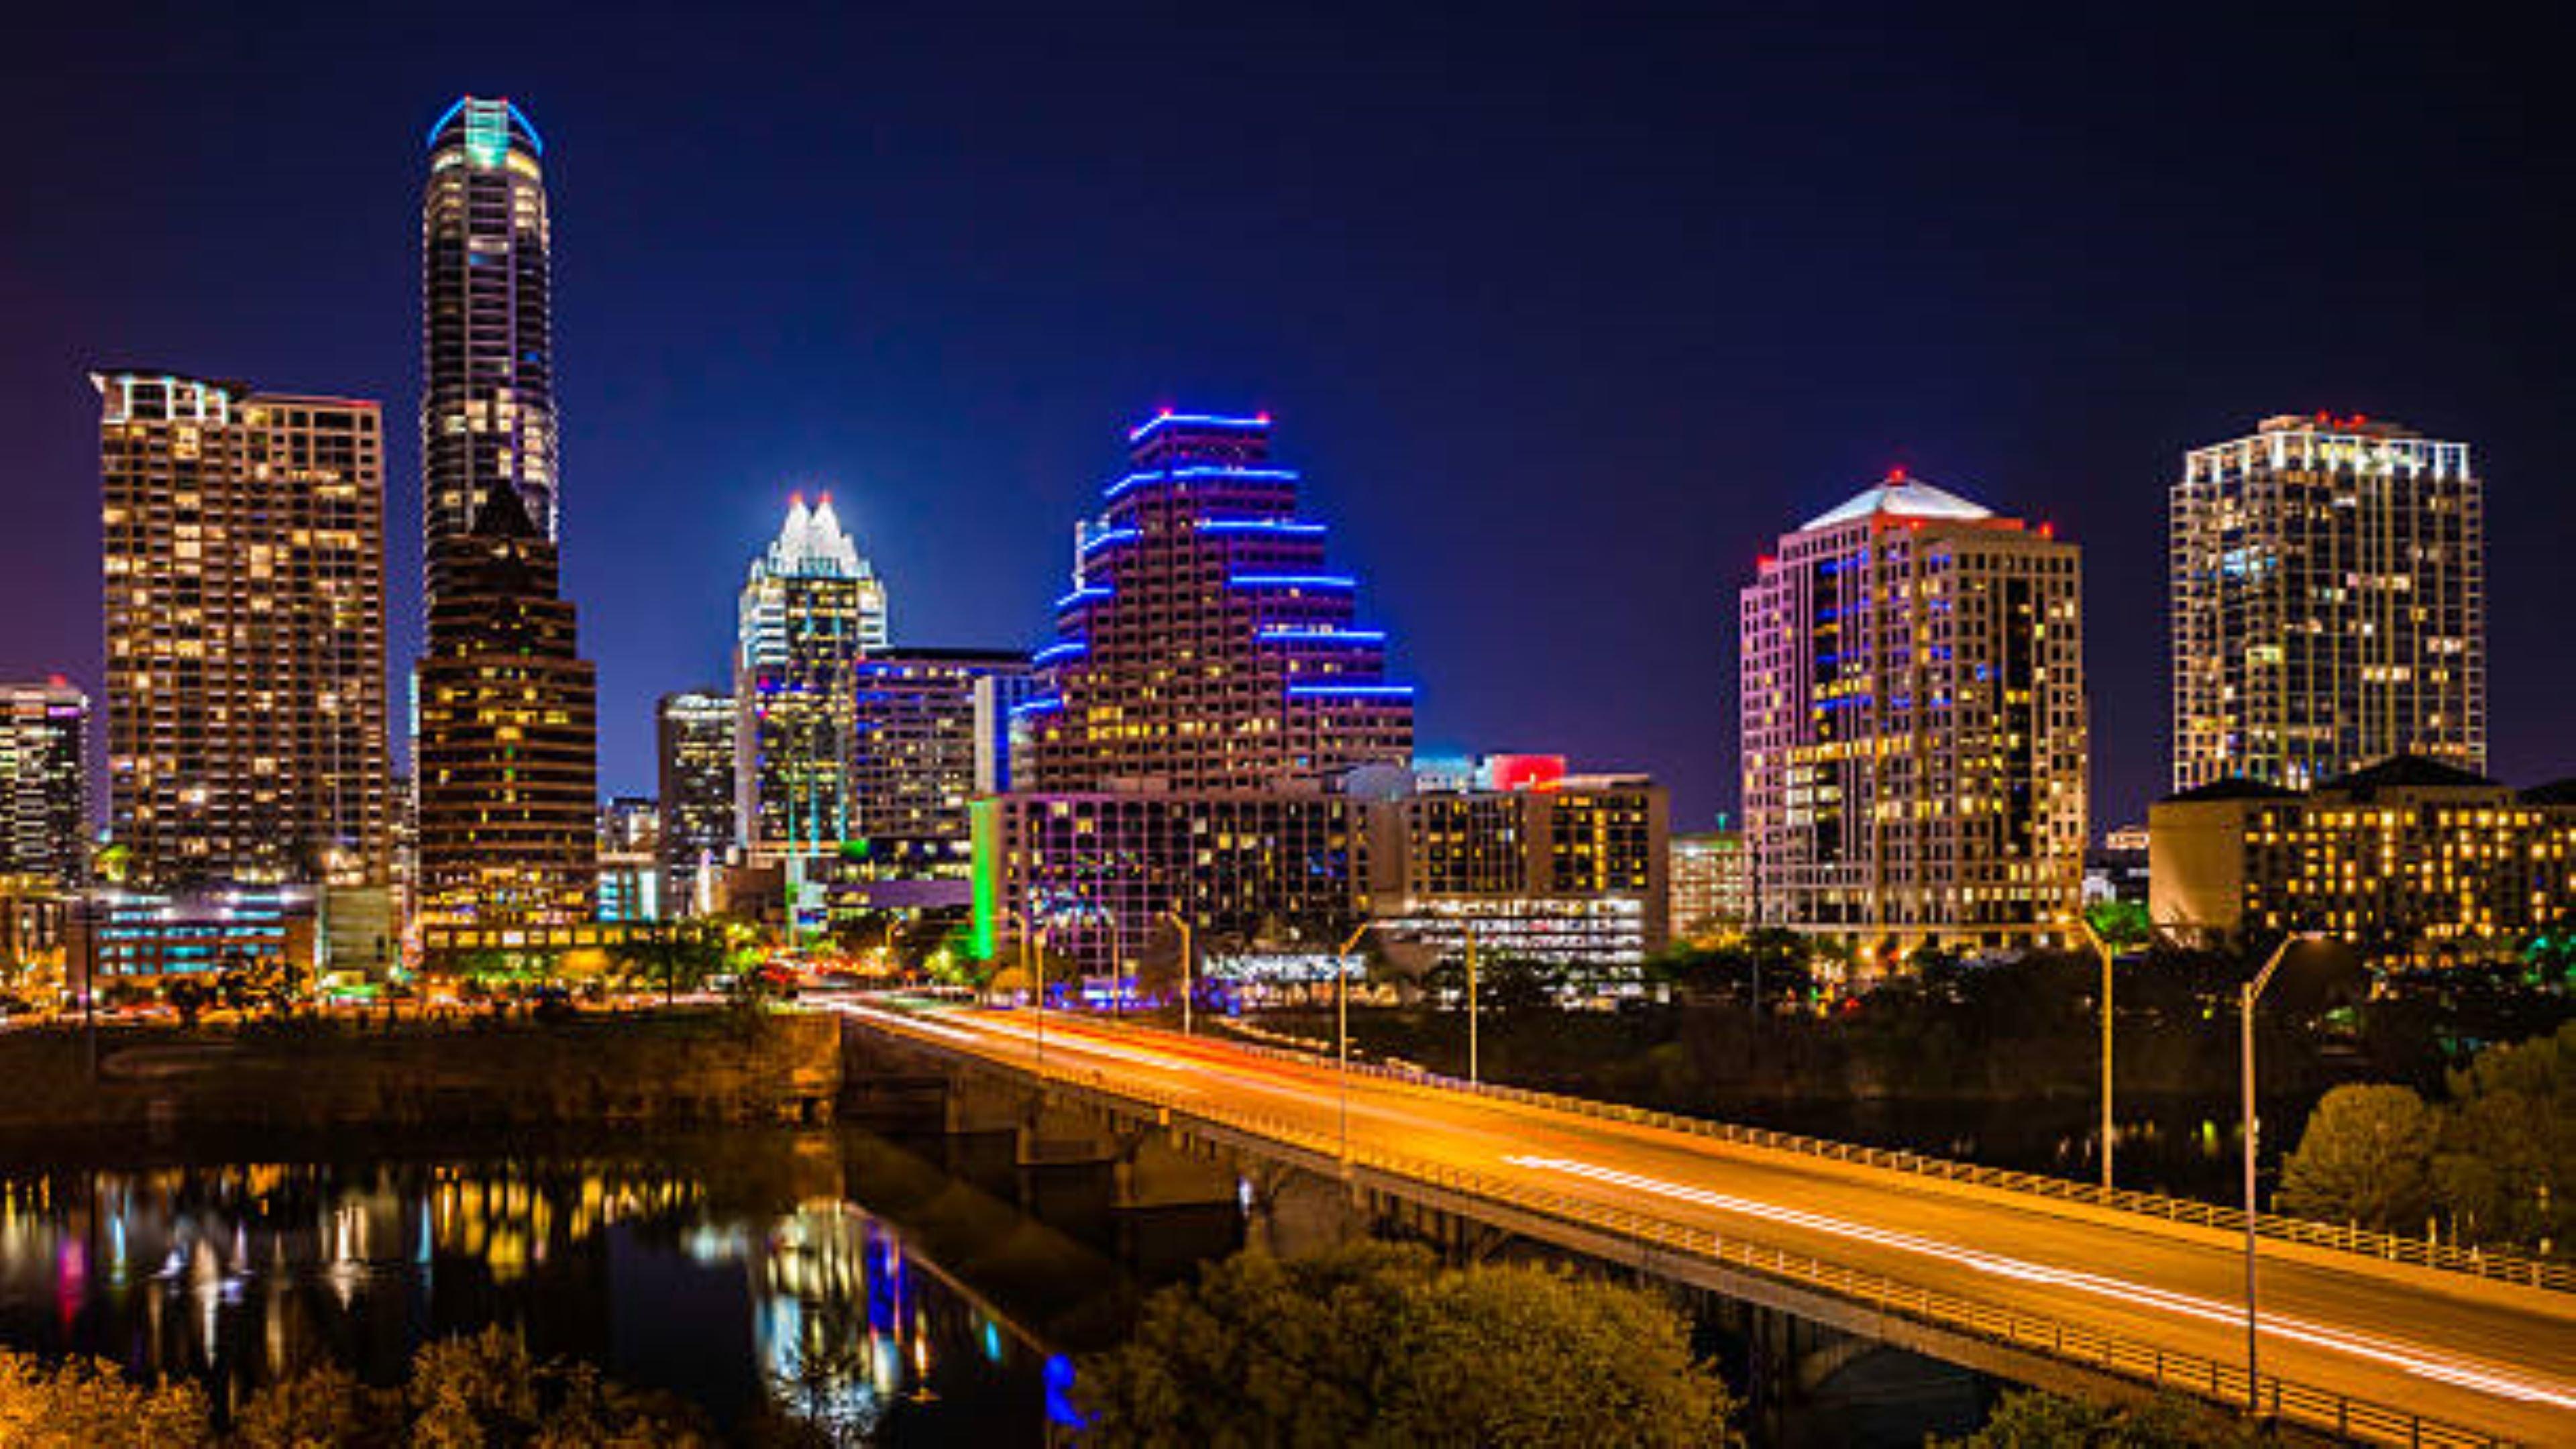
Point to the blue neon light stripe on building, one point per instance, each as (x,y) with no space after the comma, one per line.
(1292,581)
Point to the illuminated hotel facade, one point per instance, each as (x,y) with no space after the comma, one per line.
(2329,603)
(244,560)
(1541,865)
(1914,724)
(2410,858)
(44,783)
(487,410)
(1203,646)
(810,611)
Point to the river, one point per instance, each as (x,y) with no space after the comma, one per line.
(824,1273)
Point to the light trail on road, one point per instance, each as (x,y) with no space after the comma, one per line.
(2474,1351)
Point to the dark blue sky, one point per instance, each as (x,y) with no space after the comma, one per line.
(1567,310)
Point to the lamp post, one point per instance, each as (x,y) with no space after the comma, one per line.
(2110,1129)
(1472,1077)
(2252,993)
(1033,931)
(1342,1026)
(1187,990)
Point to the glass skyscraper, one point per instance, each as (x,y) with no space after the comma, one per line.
(487,410)
(809,611)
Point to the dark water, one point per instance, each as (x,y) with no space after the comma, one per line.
(802,1269)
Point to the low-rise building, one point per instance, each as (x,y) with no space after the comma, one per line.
(1712,882)
(145,936)
(2408,858)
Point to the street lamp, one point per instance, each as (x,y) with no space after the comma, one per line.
(2253,992)
(1036,931)
(1472,1078)
(2110,1129)
(1342,1020)
(1186,989)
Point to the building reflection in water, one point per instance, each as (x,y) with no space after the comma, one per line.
(239,1273)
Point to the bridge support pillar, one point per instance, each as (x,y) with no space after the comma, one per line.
(1293,1211)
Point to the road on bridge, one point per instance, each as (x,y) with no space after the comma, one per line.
(2496,1357)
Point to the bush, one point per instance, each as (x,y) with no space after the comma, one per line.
(1380,1345)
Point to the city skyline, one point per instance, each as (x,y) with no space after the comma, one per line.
(1458,513)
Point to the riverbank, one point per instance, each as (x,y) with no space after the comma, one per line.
(319,1074)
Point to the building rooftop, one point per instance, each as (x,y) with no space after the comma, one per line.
(1900,497)
(2234,787)
(2406,772)
(2556,792)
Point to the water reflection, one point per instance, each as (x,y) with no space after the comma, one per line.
(746,1280)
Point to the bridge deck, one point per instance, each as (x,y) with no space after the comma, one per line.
(2497,1358)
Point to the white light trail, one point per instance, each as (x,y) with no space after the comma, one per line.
(2409,1358)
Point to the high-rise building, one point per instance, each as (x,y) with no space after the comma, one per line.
(44,782)
(487,407)
(810,610)
(245,632)
(693,734)
(507,762)
(2329,603)
(1913,724)
(917,735)
(1203,646)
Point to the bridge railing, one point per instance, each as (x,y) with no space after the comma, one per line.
(2499,1265)
(2218,1382)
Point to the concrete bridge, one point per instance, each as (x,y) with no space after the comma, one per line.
(2017,1282)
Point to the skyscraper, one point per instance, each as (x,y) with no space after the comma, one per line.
(2329,603)
(914,756)
(1913,724)
(693,734)
(245,632)
(487,409)
(508,748)
(1203,646)
(811,608)
(44,782)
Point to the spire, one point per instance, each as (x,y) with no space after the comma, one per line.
(812,543)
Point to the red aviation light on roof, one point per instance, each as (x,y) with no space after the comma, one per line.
(2048,530)
(1896,475)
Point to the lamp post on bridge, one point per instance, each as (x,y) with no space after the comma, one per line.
(1188,990)
(2110,1125)
(1342,1026)
(1034,930)
(2247,1128)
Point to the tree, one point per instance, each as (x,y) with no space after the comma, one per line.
(1375,1344)
(89,1404)
(2122,925)
(2028,1419)
(672,955)
(2366,1157)
(2507,1154)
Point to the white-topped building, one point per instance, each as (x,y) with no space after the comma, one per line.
(2329,603)
(811,609)
(1913,724)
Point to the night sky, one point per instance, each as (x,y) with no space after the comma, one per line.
(1567,311)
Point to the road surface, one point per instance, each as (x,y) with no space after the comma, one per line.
(2494,1357)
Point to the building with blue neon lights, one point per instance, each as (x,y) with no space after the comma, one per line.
(1204,645)
(1914,725)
